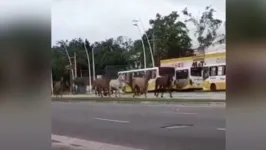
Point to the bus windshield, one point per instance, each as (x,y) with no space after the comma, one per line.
(166,71)
(196,71)
(182,74)
(206,73)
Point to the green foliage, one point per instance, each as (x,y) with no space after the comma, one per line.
(168,37)
(206,26)
(172,38)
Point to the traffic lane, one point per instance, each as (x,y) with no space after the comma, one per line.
(144,127)
(140,109)
(141,117)
(147,139)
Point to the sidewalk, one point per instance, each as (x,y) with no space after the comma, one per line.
(56,146)
(176,95)
(68,143)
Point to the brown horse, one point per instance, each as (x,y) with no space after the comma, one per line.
(139,85)
(163,83)
(101,86)
(58,88)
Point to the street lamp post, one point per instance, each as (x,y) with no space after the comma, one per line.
(143,46)
(151,52)
(89,65)
(93,64)
(52,83)
(70,63)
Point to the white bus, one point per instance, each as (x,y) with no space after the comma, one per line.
(153,73)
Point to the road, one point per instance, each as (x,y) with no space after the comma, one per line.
(143,126)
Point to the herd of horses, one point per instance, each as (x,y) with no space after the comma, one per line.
(106,87)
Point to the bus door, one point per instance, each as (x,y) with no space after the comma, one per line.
(151,75)
(182,78)
(206,73)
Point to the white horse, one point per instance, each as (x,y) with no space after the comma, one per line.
(116,85)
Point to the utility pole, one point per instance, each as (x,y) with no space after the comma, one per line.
(52,84)
(153,43)
(151,52)
(143,46)
(75,62)
(89,64)
(71,67)
(93,64)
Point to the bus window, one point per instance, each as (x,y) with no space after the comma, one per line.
(130,76)
(214,71)
(141,74)
(166,71)
(196,71)
(148,74)
(153,74)
(220,71)
(224,68)
(206,72)
(126,76)
(182,74)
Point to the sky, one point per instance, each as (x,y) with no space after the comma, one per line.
(98,20)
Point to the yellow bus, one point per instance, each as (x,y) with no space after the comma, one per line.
(188,79)
(188,72)
(214,71)
(152,73)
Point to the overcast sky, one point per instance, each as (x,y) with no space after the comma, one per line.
(98,20)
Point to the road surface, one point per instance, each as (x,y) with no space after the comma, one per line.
(142,126)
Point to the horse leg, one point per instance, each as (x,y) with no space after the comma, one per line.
(156,91)
(61,93)
(101,90)
(170,91)
(145,94)
(134,90)
(109,92)
(115,92)
(156,88)
(162,91)
(118,91)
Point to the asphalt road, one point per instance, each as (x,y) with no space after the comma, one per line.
(145,126)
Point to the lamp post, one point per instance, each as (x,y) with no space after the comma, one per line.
(70,63)
(143,46)
(151,52)
(89,64)
(93,64)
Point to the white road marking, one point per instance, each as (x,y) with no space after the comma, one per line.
(176,127)
(180,113)
(111,120)
(85,144)
(221,129)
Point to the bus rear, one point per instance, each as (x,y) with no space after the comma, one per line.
(196,78)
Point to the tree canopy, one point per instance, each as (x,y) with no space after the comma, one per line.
(168,37)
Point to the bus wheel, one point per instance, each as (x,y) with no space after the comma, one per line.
(213,87)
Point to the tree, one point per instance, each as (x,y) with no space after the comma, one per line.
(171,36)
(206,26)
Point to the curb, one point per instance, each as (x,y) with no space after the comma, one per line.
(136,100)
